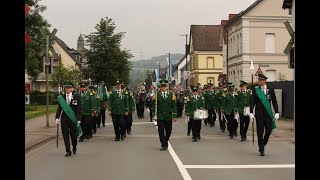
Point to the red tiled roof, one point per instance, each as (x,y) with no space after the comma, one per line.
(205,37)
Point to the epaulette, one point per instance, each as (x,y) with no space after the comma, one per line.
(202,97)
(173,97)
(91,94)
(188,98)
(223,94)
(126,92)
(236,93)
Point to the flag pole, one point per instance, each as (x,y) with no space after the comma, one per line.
(252,68)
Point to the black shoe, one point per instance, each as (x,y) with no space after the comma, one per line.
(117,139)
(222,130)
(150,120)
(163,148)
(68,154)
(242,139)
(122,137)
(261,153)
(235,134)
(104,125)
(74,150)
(195,139)
(95,131)
(214,124)
(98,126)
(199,137)
(129,131)
(231,136)
(80,140)
(245,138)
(211,125)
(188,134)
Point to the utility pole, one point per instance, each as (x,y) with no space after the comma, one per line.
(47,64)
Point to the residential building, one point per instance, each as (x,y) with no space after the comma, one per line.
(206,61)
(258,34)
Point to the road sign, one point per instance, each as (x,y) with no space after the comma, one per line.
(258,72)
(27,88)
(27,99)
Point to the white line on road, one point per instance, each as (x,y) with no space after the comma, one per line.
(182,169)
(240,166)
(143,123)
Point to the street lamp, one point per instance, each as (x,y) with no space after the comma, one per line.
(158,71)
(170,68)
(186,57)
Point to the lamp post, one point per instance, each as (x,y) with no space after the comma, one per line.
(186,57)
(170,69)
(158,78)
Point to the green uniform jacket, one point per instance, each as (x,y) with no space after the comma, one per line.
(193,104)
(118,104)
(103,96)
(166,108)
(132,103)
(219,102)
(243,100)
(229,103)
(87,103)
(211,99)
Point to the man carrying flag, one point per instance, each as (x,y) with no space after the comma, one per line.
(262,95)
(69,113)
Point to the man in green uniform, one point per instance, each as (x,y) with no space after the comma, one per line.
(118,108)
(132,107)
(103,96)
(229,108)
(211,99)
(194,102)
(223,89)
(243,102)
(87,110)
(165,105)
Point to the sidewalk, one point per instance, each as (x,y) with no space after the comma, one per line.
(36,132)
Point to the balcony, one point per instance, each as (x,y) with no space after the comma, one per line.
(42,77)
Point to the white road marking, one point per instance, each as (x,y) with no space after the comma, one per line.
(240,166)
(182,169)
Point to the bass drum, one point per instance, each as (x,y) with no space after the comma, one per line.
(200,114)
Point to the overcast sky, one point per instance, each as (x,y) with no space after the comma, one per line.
(152,26)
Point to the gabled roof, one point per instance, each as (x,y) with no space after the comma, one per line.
(205,37)
(70,51)
(223,23)
(234,18)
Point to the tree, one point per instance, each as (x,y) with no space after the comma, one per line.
(105,59)
(33,23)
(63,74)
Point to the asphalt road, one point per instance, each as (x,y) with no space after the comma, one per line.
(139,157)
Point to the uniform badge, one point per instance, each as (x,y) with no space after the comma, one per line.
(74,102)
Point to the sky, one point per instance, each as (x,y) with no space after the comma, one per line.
(152,27)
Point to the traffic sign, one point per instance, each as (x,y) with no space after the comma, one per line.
(27,99)
(258,72)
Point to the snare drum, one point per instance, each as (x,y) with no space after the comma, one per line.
(246,111)
(200,114)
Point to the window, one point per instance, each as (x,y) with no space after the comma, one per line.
(231,48)
(271,74)
(210,62)
(210,80)
(270,43)
(240,43)
(234,46)
(290,11)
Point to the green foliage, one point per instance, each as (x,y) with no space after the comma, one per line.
(33,23)
(62,74)
(33,111)
(106,61)
(250,85)
(39,98)
(281,77)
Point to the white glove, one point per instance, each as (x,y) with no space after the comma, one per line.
(251,116)
(155,117)
(57,121)
(79,122)
(276,116)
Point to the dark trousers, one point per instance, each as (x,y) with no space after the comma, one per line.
(179,108)
(196,128)
(264,123)
(69,130)
(150,113)
(93,122)
(189,126)
(244,124)
(85,126)
(102,118)
(211,117)
(128,121)
(140,109)
(232,124)
(222,121)
(164,130)
(119,125)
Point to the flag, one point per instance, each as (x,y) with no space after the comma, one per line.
(26,9)
(26,38)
